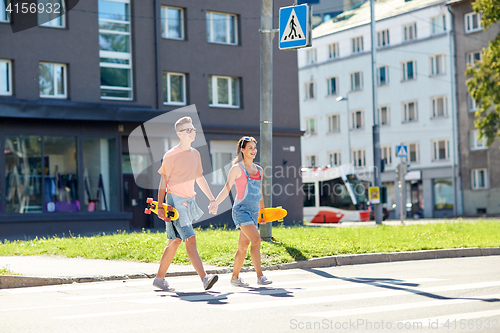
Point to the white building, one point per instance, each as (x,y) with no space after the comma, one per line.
(416,99)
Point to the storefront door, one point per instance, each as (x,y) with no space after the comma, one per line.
(134,199)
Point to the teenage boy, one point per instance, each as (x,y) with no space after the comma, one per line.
(181,167)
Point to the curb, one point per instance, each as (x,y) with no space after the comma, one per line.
(15,281)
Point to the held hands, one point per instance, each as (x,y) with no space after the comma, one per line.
(212,208)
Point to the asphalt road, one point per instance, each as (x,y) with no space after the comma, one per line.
(441,295)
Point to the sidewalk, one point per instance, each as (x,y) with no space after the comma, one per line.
(51,270)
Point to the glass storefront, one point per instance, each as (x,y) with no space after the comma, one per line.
(443,193)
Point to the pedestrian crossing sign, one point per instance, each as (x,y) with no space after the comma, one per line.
(295,27)
(402,151)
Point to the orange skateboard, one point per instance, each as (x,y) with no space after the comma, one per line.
(272,214)
(171,213)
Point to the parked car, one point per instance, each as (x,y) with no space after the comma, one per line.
(385,212)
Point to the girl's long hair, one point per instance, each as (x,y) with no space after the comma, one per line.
(239,155)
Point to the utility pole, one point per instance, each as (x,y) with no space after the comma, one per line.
(266,109)
(377,172)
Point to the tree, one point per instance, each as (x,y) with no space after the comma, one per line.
(484,85)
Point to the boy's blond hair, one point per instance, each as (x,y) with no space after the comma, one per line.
(182,121)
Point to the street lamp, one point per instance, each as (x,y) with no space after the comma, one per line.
(341,99)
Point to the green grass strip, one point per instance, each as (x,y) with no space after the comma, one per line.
(217,246)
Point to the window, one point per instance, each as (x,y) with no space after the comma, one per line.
(333,50)
(222,28)
(221,153)
(437,64)
(310,90)
(224,91)
(332,86)
(438,24)
(52,80)
(53,15)
(383,38)
(356,81)
(311,56)
(479,179)
(410,31)
(409,70)
(310,126)
(333,123)
(115,50)
(441,150)
(475,142)
(4,17)
(311,161)
(359,157)
(174,88)
(471,103)
(309,195)
(357,120)
(439,106)
(413,152)
(334,158)
(386,154)
(472,22)
(172,22)
(473,57)
(443,193)
(383,75)
(5,77)
(357,44)
(410,112)
(383,113)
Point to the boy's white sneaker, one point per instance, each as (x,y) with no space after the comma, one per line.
(209,280)
(239,282)
(263,280)
(162,284)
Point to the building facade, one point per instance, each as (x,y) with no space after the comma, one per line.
(72,89)
(478,163)
(415,88)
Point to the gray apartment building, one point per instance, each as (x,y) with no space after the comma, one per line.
(74,87)
(479,164)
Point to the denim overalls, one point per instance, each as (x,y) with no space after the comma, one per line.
(246,210)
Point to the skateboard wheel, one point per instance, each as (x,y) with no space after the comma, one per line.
(167,219)
(149,200)
(170,208)
(147,211)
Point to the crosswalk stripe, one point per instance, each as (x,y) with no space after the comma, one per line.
(397,307)
(442,320)
(105,314)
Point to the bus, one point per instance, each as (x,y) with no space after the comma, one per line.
(334,194)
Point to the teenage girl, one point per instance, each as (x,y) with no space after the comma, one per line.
(247,177)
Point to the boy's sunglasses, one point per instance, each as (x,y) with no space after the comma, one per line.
(246,138)
(188,130)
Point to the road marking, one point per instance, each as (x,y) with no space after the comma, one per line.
(442,320)
(398,307)
(105,314)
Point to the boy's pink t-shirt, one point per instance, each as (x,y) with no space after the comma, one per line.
(181,169)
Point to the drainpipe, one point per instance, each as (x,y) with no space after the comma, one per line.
(157,54)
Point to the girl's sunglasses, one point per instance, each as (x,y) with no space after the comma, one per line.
(246,138)
(188,130)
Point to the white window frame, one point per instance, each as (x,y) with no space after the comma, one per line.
(475,143)
(311,130)
(218,147)
(435,150)
(215,100)
(470,57)
(468,21)
(54,22)
(310,90)
(410,31)
(438,64)
(359,154)
(353,81)
(333,119)
(4,17)
(471,103)
(333,51)
(383,38)
(435,107)
(311,56)
(169,90)
(8,78)
(475,179)
(405,70)
(329,86)
(438,24)
(335,155)
(388,113)
(164,22)
(357,44)
(379,82)
(354,119)
(406,112)
(417,151)
(310,159)
(386,153)
(210,34)
(65,77)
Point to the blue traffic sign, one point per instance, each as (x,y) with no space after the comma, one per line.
(295,27)
(402,151)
